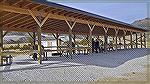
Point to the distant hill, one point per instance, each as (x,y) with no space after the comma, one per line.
(144,23)
(22,37)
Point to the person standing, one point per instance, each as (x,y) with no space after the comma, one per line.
(93,45)
(97,46)
(35,54)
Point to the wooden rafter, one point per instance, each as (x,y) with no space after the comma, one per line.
(70,25)
(22,18)
(37,21)
(25,11)
(28,20)
(17,2)
(10,18)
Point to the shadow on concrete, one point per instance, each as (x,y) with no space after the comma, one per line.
(110,60)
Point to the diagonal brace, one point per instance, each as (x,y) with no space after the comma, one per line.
(40,24)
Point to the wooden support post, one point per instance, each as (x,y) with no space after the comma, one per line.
(1,45)
(120,42)
(71,26)
(116,36)
(131,39)
(70,42)
(144,39)
(1,39)
(136,39)
(105,39)
(90,41)
(39,45)
(141,40)
(90,35)
(34,38)
(124,39)
(57,36)
(39,31)
(105,42)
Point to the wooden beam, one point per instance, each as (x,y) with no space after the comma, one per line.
(10,18)
(136,39)
(1,39)
(70,26)
(116,36)
(1,45)
(5,34)
(5,15)
(144,40)
(57,40)
(17,2)
(22,18)
(124,39)
(131,39)
(30,35)
(39,45)
(70,42)
(39,31)
(40,24)
(56,36)
(141,40)
(105,38)
(120,42)
(91,26)
(70,35)
(60,17)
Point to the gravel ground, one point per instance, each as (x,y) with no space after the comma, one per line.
(121,64)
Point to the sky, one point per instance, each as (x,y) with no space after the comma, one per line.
(125,12)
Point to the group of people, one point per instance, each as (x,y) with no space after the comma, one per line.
(96,47)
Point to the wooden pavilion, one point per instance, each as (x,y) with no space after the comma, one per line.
(41,16)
